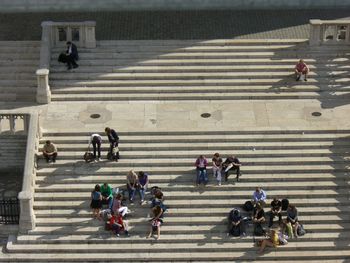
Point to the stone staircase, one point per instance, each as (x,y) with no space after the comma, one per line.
(200,70)
(309,167)
(13,151)
(18,62)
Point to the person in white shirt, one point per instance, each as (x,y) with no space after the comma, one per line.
(96,141)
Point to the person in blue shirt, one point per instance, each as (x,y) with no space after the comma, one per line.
(259,196)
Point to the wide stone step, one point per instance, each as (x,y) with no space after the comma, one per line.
(176,193)
(324,254)
(199,203)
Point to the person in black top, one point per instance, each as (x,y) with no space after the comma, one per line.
(70,57)
(231,163)
(235,220)
(113,139)
(258,215)
(276,208)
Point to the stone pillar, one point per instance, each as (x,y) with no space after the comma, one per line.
(43,94)
(316,35)
(27,217)
(89,34)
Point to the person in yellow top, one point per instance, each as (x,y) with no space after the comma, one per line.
(272,241)
(50,151)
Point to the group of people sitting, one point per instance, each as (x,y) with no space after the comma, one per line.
(220,168)
(116,210)
(289,227)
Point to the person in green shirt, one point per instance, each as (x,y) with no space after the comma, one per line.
(107,194)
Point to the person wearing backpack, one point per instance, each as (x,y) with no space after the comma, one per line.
(236,224)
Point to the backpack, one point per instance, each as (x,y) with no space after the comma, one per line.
(248,206)
(285,204)
(259,230)
(88,157)
(300,230)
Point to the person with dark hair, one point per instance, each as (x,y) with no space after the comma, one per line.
(301,69)
(70,56)
(259,196)
(113,139)
(117,224)
(201,168)
(258,217)
(292,218)
(96,141)
(107,194)
(142,184)
(96,201)
(276,209)
(131,184)
(232,163)
(118,207)
(236,224)
(217,167)
(50,151)
(156,221)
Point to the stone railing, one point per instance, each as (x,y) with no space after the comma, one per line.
(329,32)
(30,127)
(57,34)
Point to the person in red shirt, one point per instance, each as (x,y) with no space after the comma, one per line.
(301,69)
(116,224)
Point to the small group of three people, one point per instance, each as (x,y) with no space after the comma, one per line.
(219,168)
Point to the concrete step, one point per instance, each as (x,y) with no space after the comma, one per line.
(324,254)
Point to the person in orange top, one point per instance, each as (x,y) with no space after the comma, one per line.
(301,69)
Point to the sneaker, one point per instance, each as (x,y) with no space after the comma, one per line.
(99,159)
(117,235)
(219,184)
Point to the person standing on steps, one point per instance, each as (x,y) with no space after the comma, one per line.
(96,141)
(113,139)
(70,57)
(50,151)
(301,69)
(232,163)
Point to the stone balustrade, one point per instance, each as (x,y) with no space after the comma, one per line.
(31,127)
(329,32)
(57,34)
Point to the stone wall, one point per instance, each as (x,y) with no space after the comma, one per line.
(121,5)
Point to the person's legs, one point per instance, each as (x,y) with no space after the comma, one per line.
(218,177)
(94,144)
(142,194)
(242,227)
(131,193)
(123,210)
(271,219)
(279,218)
(265,243)
(158,232)
(205,176)
(54,156)
(198,174)
(305,72)
(98,150)
(297,75)
(47,158)
(110,202)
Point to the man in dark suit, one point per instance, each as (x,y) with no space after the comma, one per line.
(70,57)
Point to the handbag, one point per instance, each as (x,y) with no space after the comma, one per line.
(88,155)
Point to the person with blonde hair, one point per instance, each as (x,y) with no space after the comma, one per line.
(272,241)
(131,184)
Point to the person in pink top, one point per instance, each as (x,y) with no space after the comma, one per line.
(301,69)
(201,165)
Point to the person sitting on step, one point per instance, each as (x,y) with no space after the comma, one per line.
(131,184)
(201,170)
(70,56)
(276,209)
(118,207)
(271,241)
(50,151)
(96,201)
(232,163)
(142,184)
(217,167)
(236,224)
(107,194)
(117,224)
(156,221)
(292,218)
(301,69)
(258,217)
(259,196)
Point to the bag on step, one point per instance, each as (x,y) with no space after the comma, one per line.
(248,206)
(235,231)
(88,155)
(300,230)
